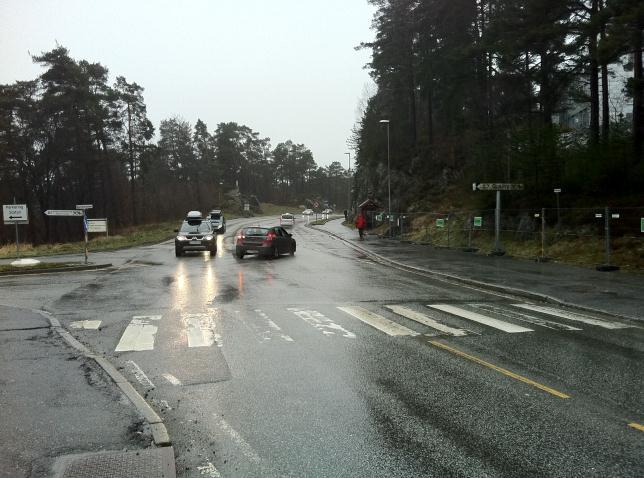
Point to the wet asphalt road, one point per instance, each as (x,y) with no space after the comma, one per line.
(258,371)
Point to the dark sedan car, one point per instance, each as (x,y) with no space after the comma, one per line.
(265,241)
(195,234)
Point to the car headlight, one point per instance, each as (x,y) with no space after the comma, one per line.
(208,238)
(182,238)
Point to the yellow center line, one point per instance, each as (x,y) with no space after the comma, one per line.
(637,426)
(521,378)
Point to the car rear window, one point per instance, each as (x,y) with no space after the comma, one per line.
(215,216)
(287,216)
(255,231)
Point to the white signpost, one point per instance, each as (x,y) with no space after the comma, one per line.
(64,212)
(97,225)
(15,214)
(78,212)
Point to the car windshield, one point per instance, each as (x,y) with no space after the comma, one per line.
(192,227)
(287,216)
(255,231)
(215,217)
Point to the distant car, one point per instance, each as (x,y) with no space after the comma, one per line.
(287,219)
(327,211)
(307,212)
(217,221)
(195,234)
(265,241)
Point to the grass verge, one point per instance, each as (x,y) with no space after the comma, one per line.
(128,237)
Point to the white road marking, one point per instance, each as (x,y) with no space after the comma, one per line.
(481,319)
(140,374)
(321,322)
(139,334)
(86,324)
(200,330)
(209,470)
(172,379)
(511,314)
(379,322)
(572,316)
(425,320)
(273,326)
(246,449)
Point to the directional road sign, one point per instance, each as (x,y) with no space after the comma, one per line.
(64,212)
(84,206)
(498,186)
(15,213)
(97,225)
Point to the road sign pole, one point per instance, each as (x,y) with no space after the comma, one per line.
(85,230)
(543,233)
(17,234)
(497,226)
(607,235)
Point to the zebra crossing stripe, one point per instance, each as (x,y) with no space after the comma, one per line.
(572,316)
(481,319)
(425,320)
(139,334)
(379,322)
(524,317)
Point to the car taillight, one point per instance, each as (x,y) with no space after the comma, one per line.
(270,236)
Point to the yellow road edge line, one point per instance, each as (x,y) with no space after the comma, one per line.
(521,378)
(637,426)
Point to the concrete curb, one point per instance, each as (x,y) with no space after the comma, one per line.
(159,432)
(472,282)
(89,267)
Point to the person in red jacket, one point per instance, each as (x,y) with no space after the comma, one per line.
(361,223)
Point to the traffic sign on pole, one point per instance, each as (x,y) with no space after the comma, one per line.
(84,206)
(64,212)
(498,186)
(15,213)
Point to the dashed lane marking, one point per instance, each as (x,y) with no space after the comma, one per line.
(172,379)
(139,374)
(637,426)
(85,324)
(208,470)
(139,334)
(379,322)
(274,329)
(425,320)
(481,319)
(504,371)
(321,322)
(572,316)
(243,445)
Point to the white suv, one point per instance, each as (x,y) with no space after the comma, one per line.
(287,219)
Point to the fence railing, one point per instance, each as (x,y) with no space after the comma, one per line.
(601,235)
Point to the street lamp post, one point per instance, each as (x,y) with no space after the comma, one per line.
(349,187)
(386,121)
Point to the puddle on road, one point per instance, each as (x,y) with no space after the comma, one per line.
(228,294)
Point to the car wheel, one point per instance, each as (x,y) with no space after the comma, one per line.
(177,252)
(292,251)
(239,254)
(213,251)
(276,252)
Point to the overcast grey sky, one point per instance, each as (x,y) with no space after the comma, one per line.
(285,68)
